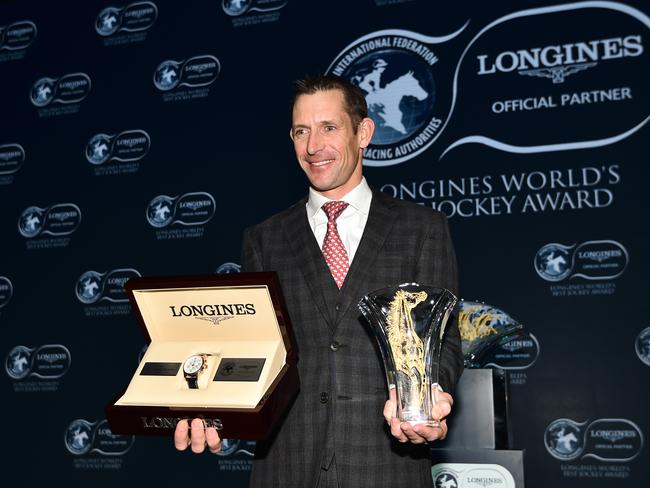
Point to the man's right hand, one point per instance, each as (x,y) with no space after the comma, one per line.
(199,438)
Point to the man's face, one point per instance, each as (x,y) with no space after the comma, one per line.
(326,145)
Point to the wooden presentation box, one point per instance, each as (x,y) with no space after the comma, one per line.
(239,325)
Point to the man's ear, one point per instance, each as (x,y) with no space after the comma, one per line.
(365,132)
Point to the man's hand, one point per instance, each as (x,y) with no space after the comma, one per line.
(200,437)
(419,434)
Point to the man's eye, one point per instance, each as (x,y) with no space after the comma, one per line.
(299,132)
(329,128)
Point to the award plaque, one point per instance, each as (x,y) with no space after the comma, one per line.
(220,348)
(409,322)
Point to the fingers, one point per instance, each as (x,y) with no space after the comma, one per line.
(442,406)
(197,436)
(213,440)
(181,437)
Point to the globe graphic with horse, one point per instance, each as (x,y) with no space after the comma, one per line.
(400,93)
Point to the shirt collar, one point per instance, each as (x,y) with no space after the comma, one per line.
(358,198)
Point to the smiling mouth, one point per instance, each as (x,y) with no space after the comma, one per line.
(321,163)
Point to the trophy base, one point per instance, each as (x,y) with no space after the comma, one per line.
(428,423)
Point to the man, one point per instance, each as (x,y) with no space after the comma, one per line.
(334,433)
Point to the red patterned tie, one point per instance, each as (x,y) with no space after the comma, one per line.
(334,251)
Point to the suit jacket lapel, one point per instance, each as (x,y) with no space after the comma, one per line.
(380,222)
(309,258)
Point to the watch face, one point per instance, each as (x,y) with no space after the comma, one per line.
(192,364)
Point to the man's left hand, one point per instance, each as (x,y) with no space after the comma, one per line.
(420,433)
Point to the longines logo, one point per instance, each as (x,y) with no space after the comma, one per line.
(617,440)
(194,72)
(129,145)
(213,313)
(12,157)
(471,475)
(189,209)
(83,437)
(48,362)
(6,291)
(591,260)
(93,287)
(398,71)
(69,88)
(135,17)
(556,62)
(57,220)
(588,65)
(15,38)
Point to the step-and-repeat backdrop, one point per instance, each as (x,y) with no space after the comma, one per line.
(141,138)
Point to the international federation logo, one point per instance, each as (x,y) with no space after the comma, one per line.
(236,7)
(98,149)
(642,346)
(18,361)
(564,439)
(107,21)
(43,92)
(553,262)
(159,211)
(31,221)
(396,70)
(79,437)
(88,287)
(167,75)
(445,479)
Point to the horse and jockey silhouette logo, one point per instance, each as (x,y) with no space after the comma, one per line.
(18,362)
(108,21)
(397,71)
(445,480)
(160,211)
(43,92)
(196,71)
(553,262)
(236,7)
(167,75)
(564,439)
(89,287)
(31,221)
(98,149)
(399,104)
(79,437)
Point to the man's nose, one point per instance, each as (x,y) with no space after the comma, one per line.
(314,143)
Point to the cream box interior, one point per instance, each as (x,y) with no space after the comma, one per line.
(224,322)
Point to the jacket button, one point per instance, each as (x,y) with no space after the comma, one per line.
(334,346)
(338,307)
(324,397)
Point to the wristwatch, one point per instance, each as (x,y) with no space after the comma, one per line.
(192,367)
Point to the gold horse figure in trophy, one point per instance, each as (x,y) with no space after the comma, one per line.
(407,348)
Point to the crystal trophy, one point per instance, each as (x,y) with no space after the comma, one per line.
(409,322)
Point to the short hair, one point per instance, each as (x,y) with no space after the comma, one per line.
(353,97)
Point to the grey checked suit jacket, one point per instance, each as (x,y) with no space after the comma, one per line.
(343,387)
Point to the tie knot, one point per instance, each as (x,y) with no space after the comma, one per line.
(334,209)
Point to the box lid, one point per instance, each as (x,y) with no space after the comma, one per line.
(242,306)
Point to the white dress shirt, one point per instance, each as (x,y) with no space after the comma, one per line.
(350,223)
